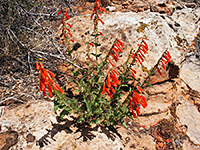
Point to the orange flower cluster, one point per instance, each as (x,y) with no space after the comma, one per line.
(46,80)
(165,60)
(110,82)
(66,26)
(96,9)
(117,47)
(96,13)
(137,100)
(139,56)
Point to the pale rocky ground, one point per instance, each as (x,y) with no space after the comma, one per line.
(174,100)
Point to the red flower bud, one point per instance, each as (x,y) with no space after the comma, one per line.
(108,80)
(111,62)
(37,66)
(158,70)
(163,65)
(59,12)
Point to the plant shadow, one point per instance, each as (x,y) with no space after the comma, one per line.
(84,129)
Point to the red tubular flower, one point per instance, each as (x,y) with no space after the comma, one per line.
(46,80)
(109,93)
(120,42)
(54,86)
(136,97)
(113,84)
(158,70)
(137,110)
(146,46)
(114,57)
(116,53)
(116,49)
(168,54)
(142,54)
(71,40)
(141,57)
(144,49)
(139,38)
(112,90)
(101,33)
(89,57)
(59,88)
(132,73)
(101,9)
(50,79)
(49,87)
(111,62)
(68,29)
(52,74)
(59,12)
(50,90)
(91,44)
(70,34)
(41,65)
(164,61)
(92,15)
(119,48)
(69,25)
(114,78)
(131,107)
(167,58)
(133,55)
(67,16)
(139,89)
(37,66)
(101,21)
(42,85)
(108,80)
(44,92)
(116,72)
(143,102)
(163,65)
(63,30)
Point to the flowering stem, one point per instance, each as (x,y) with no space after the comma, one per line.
(154,68)
(133,61)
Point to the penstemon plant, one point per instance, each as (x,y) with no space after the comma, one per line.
(104,95)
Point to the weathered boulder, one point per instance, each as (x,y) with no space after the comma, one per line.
(164,32)
(190,73)
(38,129)
(189,115)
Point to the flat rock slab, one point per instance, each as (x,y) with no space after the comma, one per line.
(189,115)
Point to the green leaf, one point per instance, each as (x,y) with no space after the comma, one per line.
(124,85)
(148,83)
(56,106)
(96,55)
(70,52)
(97,44)
(125,125)
(63,113)
(73,81)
